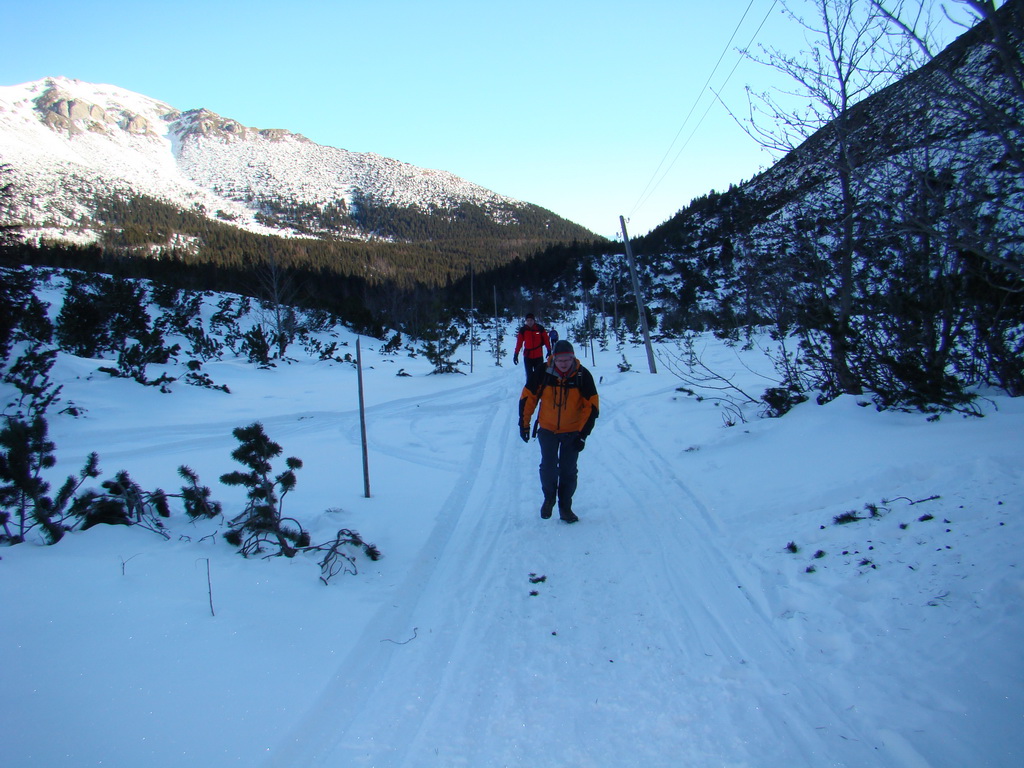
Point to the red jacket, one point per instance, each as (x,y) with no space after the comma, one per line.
(534,340)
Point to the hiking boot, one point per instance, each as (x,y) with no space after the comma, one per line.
(568,515)
(547,506)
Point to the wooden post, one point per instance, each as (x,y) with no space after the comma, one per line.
(362,419)
(615,304)
(497,350)
(472,309)
(587,325)
(604,322)
(639,299)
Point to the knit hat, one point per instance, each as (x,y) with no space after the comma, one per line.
(563,347)
(529,316)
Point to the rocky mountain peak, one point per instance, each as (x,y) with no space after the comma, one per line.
(70,143)
(206,123)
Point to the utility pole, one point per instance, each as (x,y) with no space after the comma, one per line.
(472,312)
(497,349)
(362,420)
(639,299)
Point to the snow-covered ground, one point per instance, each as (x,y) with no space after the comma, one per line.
(673,626)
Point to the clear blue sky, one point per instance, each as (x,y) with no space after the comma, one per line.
(580,107)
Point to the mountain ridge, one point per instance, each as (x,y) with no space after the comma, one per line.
(68,141)
(937,108)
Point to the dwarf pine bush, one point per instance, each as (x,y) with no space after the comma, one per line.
(261,522)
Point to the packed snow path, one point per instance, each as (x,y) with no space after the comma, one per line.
(630,638)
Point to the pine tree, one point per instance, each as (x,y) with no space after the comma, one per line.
(123,502)
(196,496)
(22,315)
(441,342)
(256,345)
(261,521)
(25,451)
(30,375)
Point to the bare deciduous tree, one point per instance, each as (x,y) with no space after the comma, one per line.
(989,162)
(279,295)
(852,54)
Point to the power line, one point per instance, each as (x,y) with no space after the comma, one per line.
(712,103)
(649,190)
(695,102)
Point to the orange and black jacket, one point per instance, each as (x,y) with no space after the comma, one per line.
(532,340)
(567,403)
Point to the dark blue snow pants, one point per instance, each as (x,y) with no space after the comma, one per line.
(532,364)
(558,471)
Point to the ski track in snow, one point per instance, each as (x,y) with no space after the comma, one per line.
(734,666)
(444,670)
(374,706)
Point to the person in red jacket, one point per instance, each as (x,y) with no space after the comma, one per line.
(532,339)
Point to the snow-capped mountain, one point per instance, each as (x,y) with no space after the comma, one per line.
(69,143)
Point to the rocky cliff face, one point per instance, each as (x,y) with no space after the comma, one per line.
(63,112)
(207,124)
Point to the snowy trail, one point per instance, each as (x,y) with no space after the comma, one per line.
(670,627)
(447,667)
(385,688)
(739,676)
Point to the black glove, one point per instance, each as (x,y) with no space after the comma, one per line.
(524,432)
(515,359)
(581,443)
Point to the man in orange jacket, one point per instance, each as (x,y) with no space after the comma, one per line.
(567,396)
(532,339)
